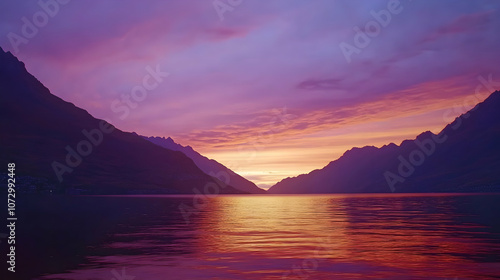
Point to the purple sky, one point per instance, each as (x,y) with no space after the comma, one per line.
(267,89)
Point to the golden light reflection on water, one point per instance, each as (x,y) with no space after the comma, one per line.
(281,226)
(386,232)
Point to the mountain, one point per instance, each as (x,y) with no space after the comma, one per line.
(60,147)
(463,157)
(209,166)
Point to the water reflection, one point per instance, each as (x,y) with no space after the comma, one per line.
(274,226)
(417,233)
(301,237)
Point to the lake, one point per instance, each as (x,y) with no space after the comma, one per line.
(393,236)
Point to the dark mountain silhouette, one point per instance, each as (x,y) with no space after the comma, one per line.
(209,166)
(44,135)
(464,157)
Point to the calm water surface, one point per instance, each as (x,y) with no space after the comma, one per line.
(261,237)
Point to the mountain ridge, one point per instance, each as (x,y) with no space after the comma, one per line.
(41,131)
(207,165)
(470,141)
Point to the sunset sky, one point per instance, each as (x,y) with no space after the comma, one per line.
(263,86)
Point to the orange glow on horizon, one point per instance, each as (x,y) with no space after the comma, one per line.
(266,158)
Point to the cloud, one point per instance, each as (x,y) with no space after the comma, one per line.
(463,24)
(325,84)
(224,33)
(271,126)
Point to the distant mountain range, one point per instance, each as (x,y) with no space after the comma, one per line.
(209,166)
(463,157)
(59,147)
(54,142)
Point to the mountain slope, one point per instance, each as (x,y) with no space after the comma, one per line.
(44,136)
(464,157)
(209,166)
